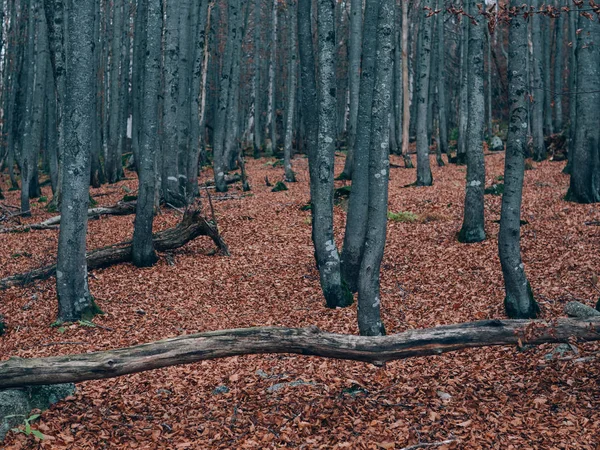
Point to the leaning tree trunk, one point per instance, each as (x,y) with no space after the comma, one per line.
(292,87)
(354,70)
(537,119)
(519,302)
(424,177)
(585,167)
(356,222)
(328,259)
(369,295)
(473,219)
(143,254)
(74,299)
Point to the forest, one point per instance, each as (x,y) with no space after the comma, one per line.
(299,224)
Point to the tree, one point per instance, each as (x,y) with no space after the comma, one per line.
(537,119)
(585,168)
(441,82)
(143,247)
(463,108)
(424,177)
(473,220)
(519,301)
(291,103)
(369,296)
(74,299)
(405,87)
(559,64)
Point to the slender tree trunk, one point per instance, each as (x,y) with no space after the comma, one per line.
(405,87)
(585,166)
(537,113)
(271,113)
(559,25)
(573,86)
(441,82)
(74,299)
(369,295)
(143,253)
(292,87)
(490,118)
(356,222)
(354,69)
(328,259)
(398,97)
(258,131)
(546,73)
(51,128)
(424,177)
(113,159)
(519,302)
(463,109)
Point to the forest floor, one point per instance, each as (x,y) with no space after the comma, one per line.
(491,398)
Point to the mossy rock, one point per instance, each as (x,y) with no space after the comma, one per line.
(279,186)
(402,217)
(495,189)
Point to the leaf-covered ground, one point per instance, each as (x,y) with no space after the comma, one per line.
(500,398)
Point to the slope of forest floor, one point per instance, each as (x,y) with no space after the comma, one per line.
(500,398)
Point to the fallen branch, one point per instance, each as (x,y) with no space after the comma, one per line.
(303,341)
(191,226)
(120,209)
(229,179)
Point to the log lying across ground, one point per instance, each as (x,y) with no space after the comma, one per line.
(17,372)
(191,226)
(120,209)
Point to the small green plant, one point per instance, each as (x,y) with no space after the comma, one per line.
(87,323)
(306,207)
(500,178)
(402,217)
(495,189)
(43,199)
(27,430)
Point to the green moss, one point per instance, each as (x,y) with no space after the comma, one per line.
(495,189)
(129,197)
(92,310)
(42,199)
(342,192)
(402,217)
(306,207)
(51,208)
(343,177)
(279,186)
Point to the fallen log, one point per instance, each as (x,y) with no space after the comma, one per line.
(229,179)
(17,372)
(191,226)
(120,209)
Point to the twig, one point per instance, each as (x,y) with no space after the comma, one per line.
(594,222)
(175,208)
(50,344)
(429,445)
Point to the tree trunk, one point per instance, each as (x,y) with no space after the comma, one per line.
(271,113)
(585,166)
(546,73)
(143,254)
(354,71)
(369,295)
(473,219)
(356,222)
(559,25)
(292,87)
(405,88)
(463,107)
(441,83)
(74,299)
(258,132)
(537,119)
(328,259)
(424,177)
(113,158)
(573,85)
(519,302)
(19,372)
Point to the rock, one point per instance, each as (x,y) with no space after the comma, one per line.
(2,325)
(444,396)
(220,390)
(496,144)
(278,386)
(16,404)
(581,311)
(560,351)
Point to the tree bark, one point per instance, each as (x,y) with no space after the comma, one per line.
(559,63)
(519,302)
(191,226)
(328,259)
(369,295)
(537,119)
(19,372)
(113,157)
(405,88)
(463,107)
(143,254)
(356,222)
(292,87)
(257,104)
(424,177)
(441,82)
(74,299)
(473,219)
(271,107)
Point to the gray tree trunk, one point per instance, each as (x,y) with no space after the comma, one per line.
(441,82)
(113,159)
(463,109)
(328,259)
(559,25)
(490,111)
(51,128)
(354,69)
(292,88)
(473,219)
(585,166)
(405,88)
(424,177)
(143,253)
(369,296)
(356,222)
(573,85)
(74,299)
(219,163)
(170,148)
(546,73)
(271,113)
(519,302)
(537,112)
(258,131)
